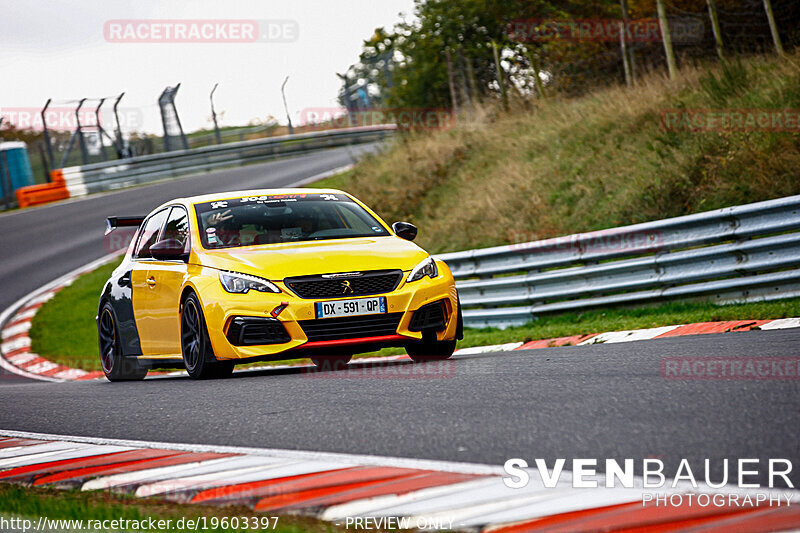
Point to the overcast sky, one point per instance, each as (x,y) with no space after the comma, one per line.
(56,49)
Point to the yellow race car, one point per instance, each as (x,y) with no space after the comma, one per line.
(211,281)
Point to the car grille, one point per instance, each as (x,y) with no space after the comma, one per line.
(429,316)
(351,327)
(253,331)
(375,282)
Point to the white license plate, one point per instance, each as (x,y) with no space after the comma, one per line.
(358,306)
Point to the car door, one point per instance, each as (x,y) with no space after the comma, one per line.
(141,284)
(165,281)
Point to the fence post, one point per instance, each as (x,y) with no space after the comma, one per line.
(451,81)
(100,130)
(48,143)
(79,131)
(667,38)
(217,135)
(286,107)
(45,165)
(773,27)
(712,12)
(500,76)
(120,143)
(536,71)
(623,43)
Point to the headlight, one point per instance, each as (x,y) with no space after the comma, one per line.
(242,283)
(425,268)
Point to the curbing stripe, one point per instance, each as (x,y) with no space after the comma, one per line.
(612,337)
(53,467)
(782,323)
(256,490)
(168,471)
(277,469)
(77,476)
(448,496)
(20,327)
(489,349)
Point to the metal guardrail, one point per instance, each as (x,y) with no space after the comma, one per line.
(743,253)
(113,175)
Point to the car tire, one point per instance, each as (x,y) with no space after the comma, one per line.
(116,367)
(331,362)
(431,350)
(196,350)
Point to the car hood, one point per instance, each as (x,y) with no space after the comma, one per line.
(277,261)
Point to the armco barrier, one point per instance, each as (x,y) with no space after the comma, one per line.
(99,177)
(743,253)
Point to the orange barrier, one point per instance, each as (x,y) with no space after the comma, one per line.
(44,193)
(57,176)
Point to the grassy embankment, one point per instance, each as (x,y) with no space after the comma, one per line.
(564,166)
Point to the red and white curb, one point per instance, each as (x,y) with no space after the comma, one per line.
(612,337)
(15,347)
(16,355)
(336,487)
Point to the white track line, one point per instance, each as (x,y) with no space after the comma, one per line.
(322,176)
(782,323)
(507,347)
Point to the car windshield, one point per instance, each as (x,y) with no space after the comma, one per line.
(282,218)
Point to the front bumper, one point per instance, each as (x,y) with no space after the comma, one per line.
(224,312)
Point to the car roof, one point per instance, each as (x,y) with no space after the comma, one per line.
(192,200)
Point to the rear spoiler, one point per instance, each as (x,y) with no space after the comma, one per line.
(113,223)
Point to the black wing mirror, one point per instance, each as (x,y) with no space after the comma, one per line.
(169,250)
(404,230)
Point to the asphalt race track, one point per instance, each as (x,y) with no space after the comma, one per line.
(598,401)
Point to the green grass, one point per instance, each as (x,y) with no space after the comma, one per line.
(33,503)
(64,330)
(601,320)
